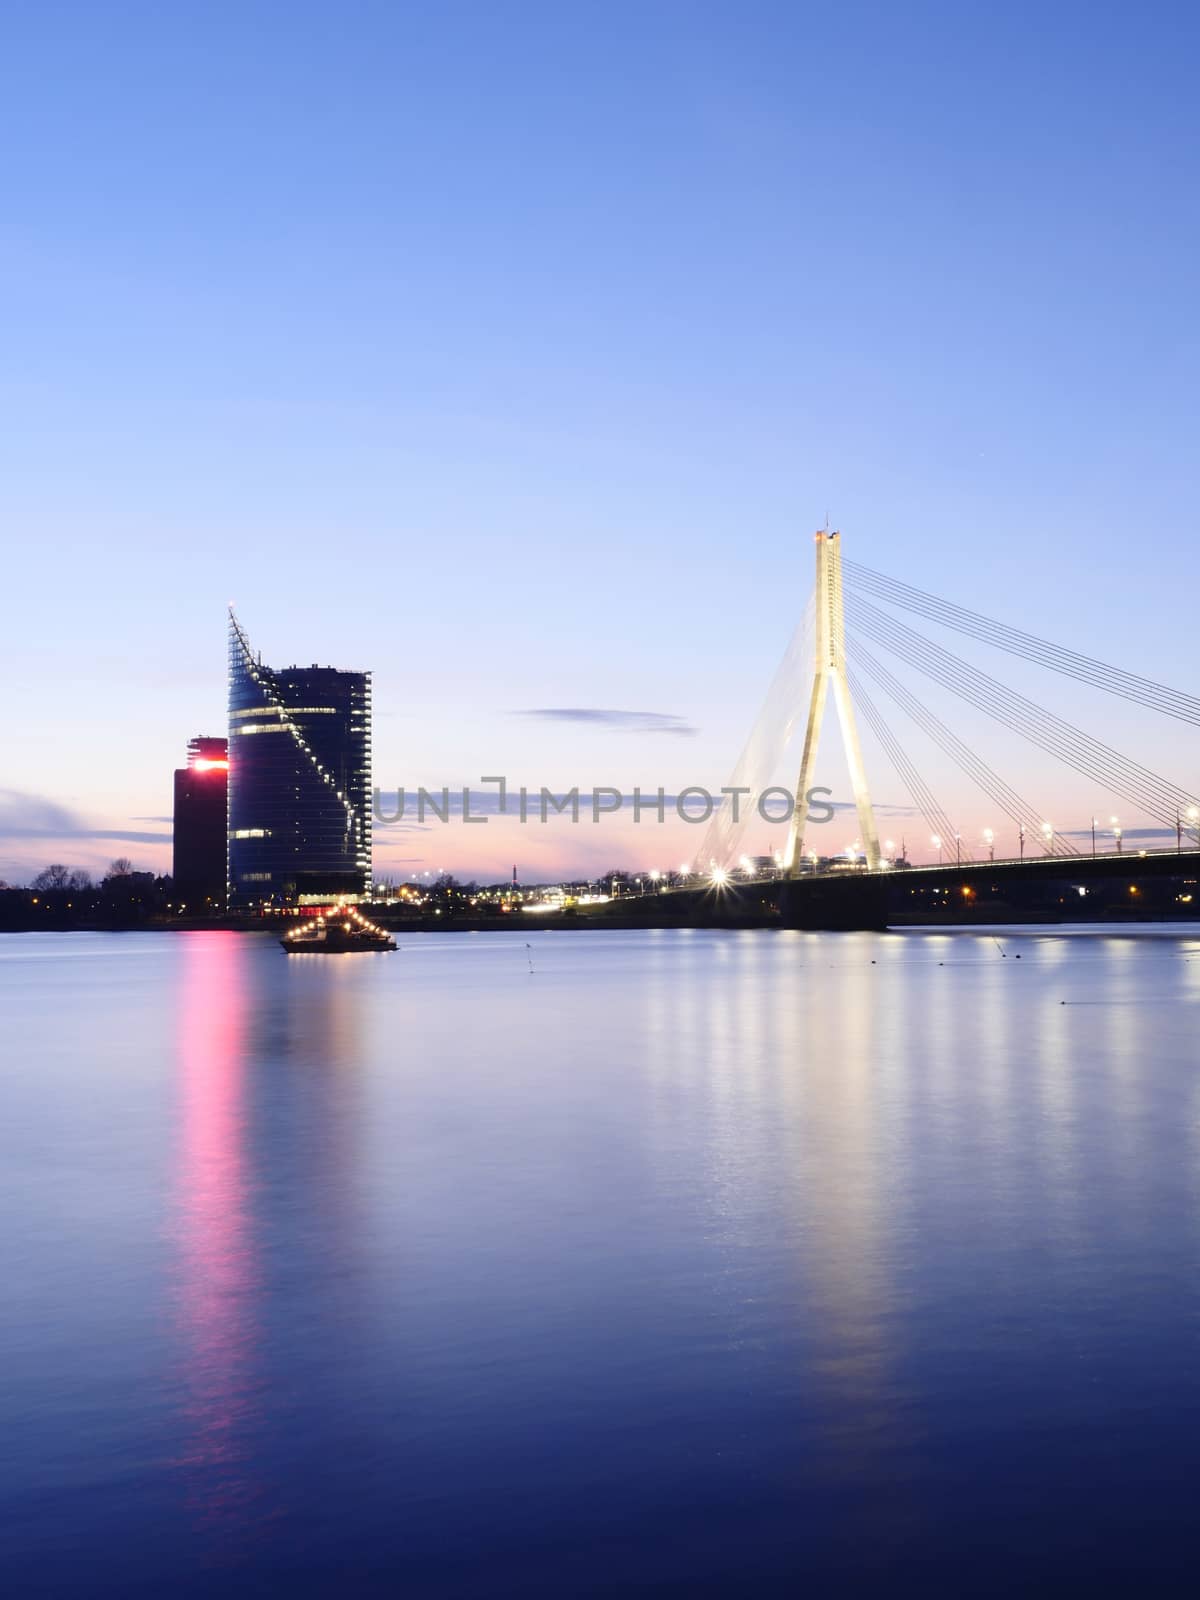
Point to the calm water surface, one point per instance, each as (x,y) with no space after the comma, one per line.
(686,1264)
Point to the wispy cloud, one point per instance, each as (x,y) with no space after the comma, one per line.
(1106,834)
(883,807)
(35,816)
(630,721)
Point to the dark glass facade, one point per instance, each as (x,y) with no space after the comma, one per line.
(198,870)
(299,780)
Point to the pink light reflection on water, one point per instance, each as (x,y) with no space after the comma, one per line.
(218,1275)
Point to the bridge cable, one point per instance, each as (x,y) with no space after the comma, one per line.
(998,791)
(785,703)
(1122,778)
(1029,647)
(1088,756)
(922,796)
(1061,739)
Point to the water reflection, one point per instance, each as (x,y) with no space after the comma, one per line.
(217,1272)
(912,1148)
(770,1069)
(711,1257)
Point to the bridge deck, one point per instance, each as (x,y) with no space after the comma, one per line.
(1154,885)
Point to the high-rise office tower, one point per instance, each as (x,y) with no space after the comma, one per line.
(299,780)
(201,794)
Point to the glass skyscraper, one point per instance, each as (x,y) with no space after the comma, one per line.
(299,780)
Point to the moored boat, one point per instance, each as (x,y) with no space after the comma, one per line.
(337,934)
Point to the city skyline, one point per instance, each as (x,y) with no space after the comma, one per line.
(654,847)
(599,804)
(459,381)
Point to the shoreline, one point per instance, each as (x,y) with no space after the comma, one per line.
(617,923)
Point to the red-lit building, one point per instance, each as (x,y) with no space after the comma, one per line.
(201,804)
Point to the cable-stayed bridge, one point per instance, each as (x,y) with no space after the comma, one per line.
(851,647)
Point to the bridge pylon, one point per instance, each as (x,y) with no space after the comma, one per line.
(830,672)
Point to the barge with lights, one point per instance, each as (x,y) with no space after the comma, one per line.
(337,934)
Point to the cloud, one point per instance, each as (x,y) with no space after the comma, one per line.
(34,816)
(1105,833)
(630,721)
(882,807)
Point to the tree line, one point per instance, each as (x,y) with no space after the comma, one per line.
(57,876)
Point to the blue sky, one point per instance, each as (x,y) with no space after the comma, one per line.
(515,350)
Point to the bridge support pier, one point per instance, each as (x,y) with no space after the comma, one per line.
(830,671)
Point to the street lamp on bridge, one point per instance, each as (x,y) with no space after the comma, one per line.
(936,842)
(1116,833)
(1048,835)
(989,838)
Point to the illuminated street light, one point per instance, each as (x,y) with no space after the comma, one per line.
(989,838)
(1048,836)
(936,842)
(1116,833)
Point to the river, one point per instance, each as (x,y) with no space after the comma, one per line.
(559,1264)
